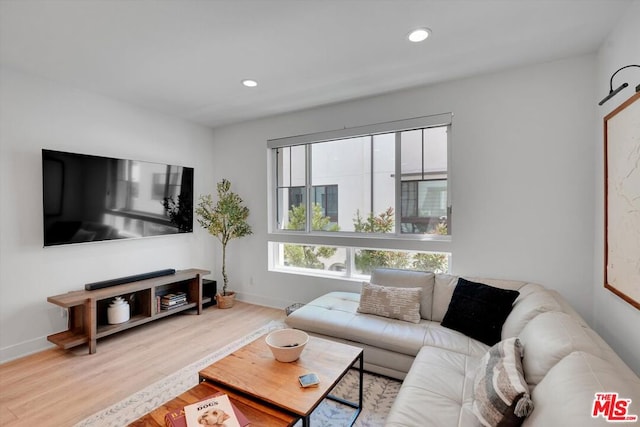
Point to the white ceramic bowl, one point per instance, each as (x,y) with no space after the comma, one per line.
(287,344)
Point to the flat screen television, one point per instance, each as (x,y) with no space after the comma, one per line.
(91,198)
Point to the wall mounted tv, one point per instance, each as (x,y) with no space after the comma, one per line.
(91,198)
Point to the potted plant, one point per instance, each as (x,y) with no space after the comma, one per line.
(226,220)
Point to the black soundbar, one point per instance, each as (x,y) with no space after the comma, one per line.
(134,278)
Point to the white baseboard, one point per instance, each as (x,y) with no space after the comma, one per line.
(264,301)
(25,348)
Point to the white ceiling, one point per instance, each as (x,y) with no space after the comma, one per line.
(186,58)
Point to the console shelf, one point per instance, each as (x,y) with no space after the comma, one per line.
(88,309)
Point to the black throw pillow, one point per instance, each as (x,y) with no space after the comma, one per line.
(479,311)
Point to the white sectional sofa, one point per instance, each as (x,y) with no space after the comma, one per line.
(565,362)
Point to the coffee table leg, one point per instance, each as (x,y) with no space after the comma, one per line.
(356,406)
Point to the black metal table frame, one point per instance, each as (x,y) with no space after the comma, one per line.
(306,420)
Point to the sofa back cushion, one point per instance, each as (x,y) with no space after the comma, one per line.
(408,279)
(442,293)
(566,307)
(547,339)
(533,300)
(565,397)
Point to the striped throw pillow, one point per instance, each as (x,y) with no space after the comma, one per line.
(500,393)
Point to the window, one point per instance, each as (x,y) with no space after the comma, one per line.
(345,202)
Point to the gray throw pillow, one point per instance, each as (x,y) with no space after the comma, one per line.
(392,302)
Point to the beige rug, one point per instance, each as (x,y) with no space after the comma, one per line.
(379,393)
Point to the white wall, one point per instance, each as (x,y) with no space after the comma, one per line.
(36,114)
(522,168)
(615,320)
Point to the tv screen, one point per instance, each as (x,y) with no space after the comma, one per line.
(91,198)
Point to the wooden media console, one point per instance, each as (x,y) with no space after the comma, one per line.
(88,309)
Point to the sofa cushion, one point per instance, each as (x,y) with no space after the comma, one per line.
(565,397)
(501,395)
(535,300)
(408,279)
(607,353)
(392,302)
(442,293)
(547,339)
(436,392)
(479,310)
(566,307)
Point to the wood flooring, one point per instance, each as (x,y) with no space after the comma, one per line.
(60,388)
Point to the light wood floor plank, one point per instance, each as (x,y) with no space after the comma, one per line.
(65,387)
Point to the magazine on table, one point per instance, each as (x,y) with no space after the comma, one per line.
(177,418)
(215,411)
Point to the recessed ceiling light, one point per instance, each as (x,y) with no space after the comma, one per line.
(249,83)
(419,35)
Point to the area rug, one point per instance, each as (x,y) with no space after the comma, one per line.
(379,393)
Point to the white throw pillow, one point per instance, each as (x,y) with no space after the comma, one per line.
(392,302)
(408,279)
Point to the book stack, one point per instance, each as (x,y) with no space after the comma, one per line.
(216,410)
(174,300)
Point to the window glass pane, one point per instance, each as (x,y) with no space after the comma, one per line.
(366,260)
(435,150)
(291,193)
(384,194)
(283,166)
(291,209)
(431,261)
(409,199)
(341,170)
(326,258)
(411,152)
(298,168)
(424,207)
(424,181)
(432,198)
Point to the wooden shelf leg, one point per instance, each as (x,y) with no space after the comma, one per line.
(91,323)
(199,293)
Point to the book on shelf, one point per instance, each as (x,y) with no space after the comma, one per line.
(173,302)
(174,296)
(164,307)
(177,417)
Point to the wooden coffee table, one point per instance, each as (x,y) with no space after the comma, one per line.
(253,371)
(258,413)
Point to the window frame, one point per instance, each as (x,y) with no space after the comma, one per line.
(384,241)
